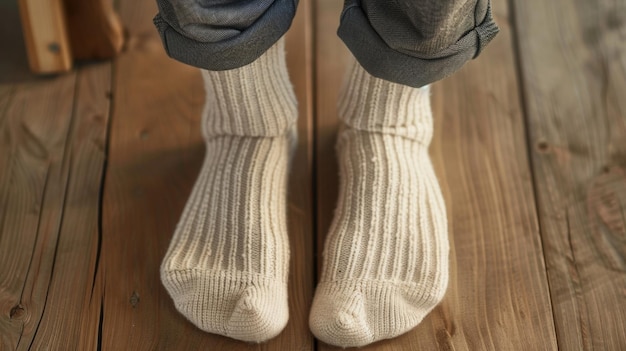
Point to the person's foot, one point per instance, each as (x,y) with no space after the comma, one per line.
(227,265)
(385,264)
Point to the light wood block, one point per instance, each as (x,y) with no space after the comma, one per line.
(57,32)
(46,36)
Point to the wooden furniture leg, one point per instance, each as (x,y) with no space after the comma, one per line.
(95,29)
(57,31)
(45,32)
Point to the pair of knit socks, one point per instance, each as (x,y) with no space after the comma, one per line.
(385,262)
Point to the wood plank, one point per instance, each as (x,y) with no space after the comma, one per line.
(33,183)
(155,154)
(573,59)
(72,314)
(51,159)
(331,59)
(299,48)
(498,294)
(45,32)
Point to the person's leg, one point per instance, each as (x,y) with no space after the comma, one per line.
(227,264)
(385,262)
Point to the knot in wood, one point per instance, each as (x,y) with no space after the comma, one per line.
(17,312)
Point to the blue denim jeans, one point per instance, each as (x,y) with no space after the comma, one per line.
(411,42)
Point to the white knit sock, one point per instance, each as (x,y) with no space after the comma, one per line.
(227,264)
(385,262)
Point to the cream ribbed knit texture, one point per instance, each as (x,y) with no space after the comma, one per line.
(227,265)
(385,263)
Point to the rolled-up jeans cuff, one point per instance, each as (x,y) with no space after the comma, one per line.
(229,53)
(411,69)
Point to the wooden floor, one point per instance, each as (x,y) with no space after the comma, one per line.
(530,150)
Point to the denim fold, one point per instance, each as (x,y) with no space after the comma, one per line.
(390,52)
(410,42)
(233,35)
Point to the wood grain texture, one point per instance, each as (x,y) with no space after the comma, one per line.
(573,59)
(34,125)
(73,301)
(50,190)
(45,33)
(155,153)
(498,293)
